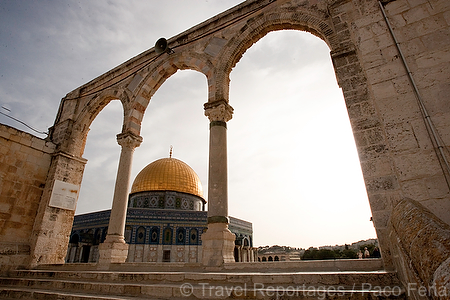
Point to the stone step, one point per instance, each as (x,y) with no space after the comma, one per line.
(207,292)
(337,265)
(35,284)
(25,293)
(311,278)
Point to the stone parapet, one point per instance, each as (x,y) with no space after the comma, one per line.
(423,250)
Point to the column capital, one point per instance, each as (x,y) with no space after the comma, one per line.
(129,140)
(218,111)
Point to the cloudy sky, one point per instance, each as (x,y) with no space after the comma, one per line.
(293,167)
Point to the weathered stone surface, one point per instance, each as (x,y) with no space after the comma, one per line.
(24,164)
(424,239)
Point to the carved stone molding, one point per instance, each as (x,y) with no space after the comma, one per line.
(129,140)
(219,112)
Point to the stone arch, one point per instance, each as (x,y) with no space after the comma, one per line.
(162,71)
(94,106)
(350,77)
(310,20)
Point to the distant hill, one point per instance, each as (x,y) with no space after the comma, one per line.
(323,252)
(287,249)
(277,249)
(356,245)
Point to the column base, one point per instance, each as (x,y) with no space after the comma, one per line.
(113,250)
(217,245)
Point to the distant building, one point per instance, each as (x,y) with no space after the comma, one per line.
(279,253)
(165,220)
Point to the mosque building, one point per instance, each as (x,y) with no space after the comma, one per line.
(166,217)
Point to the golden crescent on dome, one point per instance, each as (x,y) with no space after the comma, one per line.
(168,174)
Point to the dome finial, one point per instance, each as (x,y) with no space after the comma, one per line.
(170,153)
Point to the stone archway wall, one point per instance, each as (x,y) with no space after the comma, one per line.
(397,156)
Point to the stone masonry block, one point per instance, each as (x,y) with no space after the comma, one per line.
(15,138)
(367,20)
(429,25)
(137,115)
(446,16)
(365,123)
(389,107)
(38,144)
(377,167)
(440,207)
(159,291)
(4,149)
(397,22)
(375,136)
(360,139)
(4,134)
(15,147)
(416,14)
(381,218)
(367,107)
(27,151)
(439,5)
(378,42)
(438,40)
(402,85)
(49,147)
(379,28)
(414,3)
(373,59)
(365,33)
(5,206)
(379,202)
(396,7)
(416,165)
(402,137)
(372,152)
(25,141)
(385,183)
(385,72)
(384,90)
(437,187)
(354,111)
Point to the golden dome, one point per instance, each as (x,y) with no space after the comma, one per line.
(168,174)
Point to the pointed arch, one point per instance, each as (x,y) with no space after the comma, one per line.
(254,29)
(163,70)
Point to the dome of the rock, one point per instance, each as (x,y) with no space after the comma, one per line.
(168,174)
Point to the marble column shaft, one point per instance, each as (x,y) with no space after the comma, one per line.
(218,241)
(114,249)
(120,201)
(218,164)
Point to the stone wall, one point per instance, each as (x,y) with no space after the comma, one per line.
(24,164)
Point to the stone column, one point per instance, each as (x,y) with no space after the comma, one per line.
(218,241)
(114,249)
